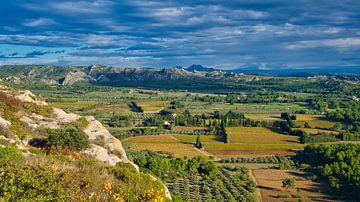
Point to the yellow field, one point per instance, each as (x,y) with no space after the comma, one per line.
(152,106)
(270,183)
(192,138)
(254,141)
(315,131)
(258,135)
(75,105)
(318,123)
(118,108)
(178,128)
(164,142)
(244,142)
(264,117)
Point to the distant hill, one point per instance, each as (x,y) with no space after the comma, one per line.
(196,77)
(292,71)
(201,68)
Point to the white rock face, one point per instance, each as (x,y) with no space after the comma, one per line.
(28,96)
(35,120)
(102,154)
(4,123)
(73,77)
(96,130)
(65,117)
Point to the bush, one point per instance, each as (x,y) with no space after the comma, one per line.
(68,136)
(31,183)
(10,154)
(81,122)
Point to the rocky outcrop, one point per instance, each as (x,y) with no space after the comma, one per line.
(73,77)
(65,117)
(4,123)
(102,154)
(28,96)
(96,130)
(111,152)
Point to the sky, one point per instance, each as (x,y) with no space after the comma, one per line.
(162,33)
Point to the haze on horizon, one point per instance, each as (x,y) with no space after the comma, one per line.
(222,34)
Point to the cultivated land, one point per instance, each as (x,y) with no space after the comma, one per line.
(254,141)
(163,143)
(152,106)
(244,125)
(269,182)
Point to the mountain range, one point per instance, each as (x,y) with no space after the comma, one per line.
(194,75)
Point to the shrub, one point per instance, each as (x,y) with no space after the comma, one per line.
(81,122)
(68,136)
(289,182)
(31,183)
(10,154)
(38,109)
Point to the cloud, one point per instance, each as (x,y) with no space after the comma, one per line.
(335,43)
(39,22)
(167,33)
(71,7)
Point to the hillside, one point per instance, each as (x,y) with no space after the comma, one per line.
(71,157)
(98,74)
(168,78)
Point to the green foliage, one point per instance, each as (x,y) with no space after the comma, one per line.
(9,154)
(42,110)
(81,122)
(339,163)
(31,183)
(196,175)
(266,159)
(289,182)
(68,136)
(198,143)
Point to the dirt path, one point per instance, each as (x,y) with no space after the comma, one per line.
(257,190)
(200,150)
(207,153)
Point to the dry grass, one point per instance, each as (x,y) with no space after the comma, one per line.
(308,117)
(270,183)
(75,105)
(192,138)
(164,142)
(264,117)
(258,135)
(319,123)
(179,128)
(152,106)
(118,108)
(315,131)
(254,142)
(153,139)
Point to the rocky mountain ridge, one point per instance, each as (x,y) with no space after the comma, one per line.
(99,74)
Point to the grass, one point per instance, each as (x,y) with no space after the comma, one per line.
(318,123)
(258,135)
(75,105)
(245,108)
(152,106)
(180,128)
(116,108)
(264,117)
(163,142)
(270,183)
(254,141)
(192,138)
(315,131)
